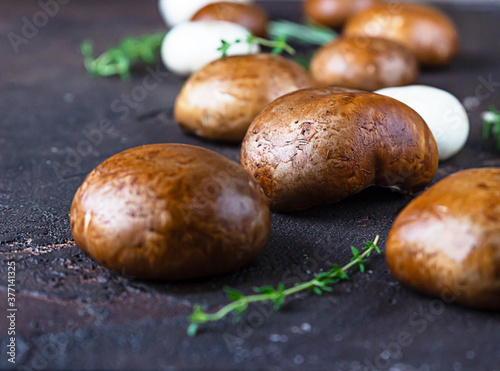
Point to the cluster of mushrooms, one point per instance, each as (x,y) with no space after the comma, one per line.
(173,211)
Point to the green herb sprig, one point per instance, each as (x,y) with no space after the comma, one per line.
(491,126)
(309,34)
(278,45)
(321,283)
(119,60)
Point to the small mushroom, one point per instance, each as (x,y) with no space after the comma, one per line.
(424,29)
(364,63)
(334,13)
(446,242)
(170,212)
(249,15)
(220,101)
(174,12)
(321,145)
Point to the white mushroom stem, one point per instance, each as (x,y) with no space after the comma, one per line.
(191,45)
(443,113)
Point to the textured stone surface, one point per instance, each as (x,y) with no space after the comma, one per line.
(75,314)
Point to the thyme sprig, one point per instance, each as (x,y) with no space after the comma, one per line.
(491,126)
(119,60)
(309,34)
(278,45)
(321,283)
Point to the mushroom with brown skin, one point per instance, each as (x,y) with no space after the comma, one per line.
(424,29)
(220,101)
(319,146)
(334,13)
(446,242)
(170,212)
(364,63)
(247,15)
(175,12)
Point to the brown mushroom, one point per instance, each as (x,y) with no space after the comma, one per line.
(364,63)
(170,212)
(333,13)
(318,146)
(424,29)
(446,242)
(221,100)
(248,15)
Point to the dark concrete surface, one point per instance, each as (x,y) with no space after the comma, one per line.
(74,314)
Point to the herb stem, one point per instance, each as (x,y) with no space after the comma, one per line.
(310,34)
(278,45)
(119,60)
(320,283)
(232,306)
(491,125)
(352,263)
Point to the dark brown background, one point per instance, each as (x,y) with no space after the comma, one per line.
(75,314)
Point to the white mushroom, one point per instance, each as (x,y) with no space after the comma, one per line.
(178,11)
(191,45)
(443,113)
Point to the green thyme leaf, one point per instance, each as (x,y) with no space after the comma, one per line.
(321,283)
